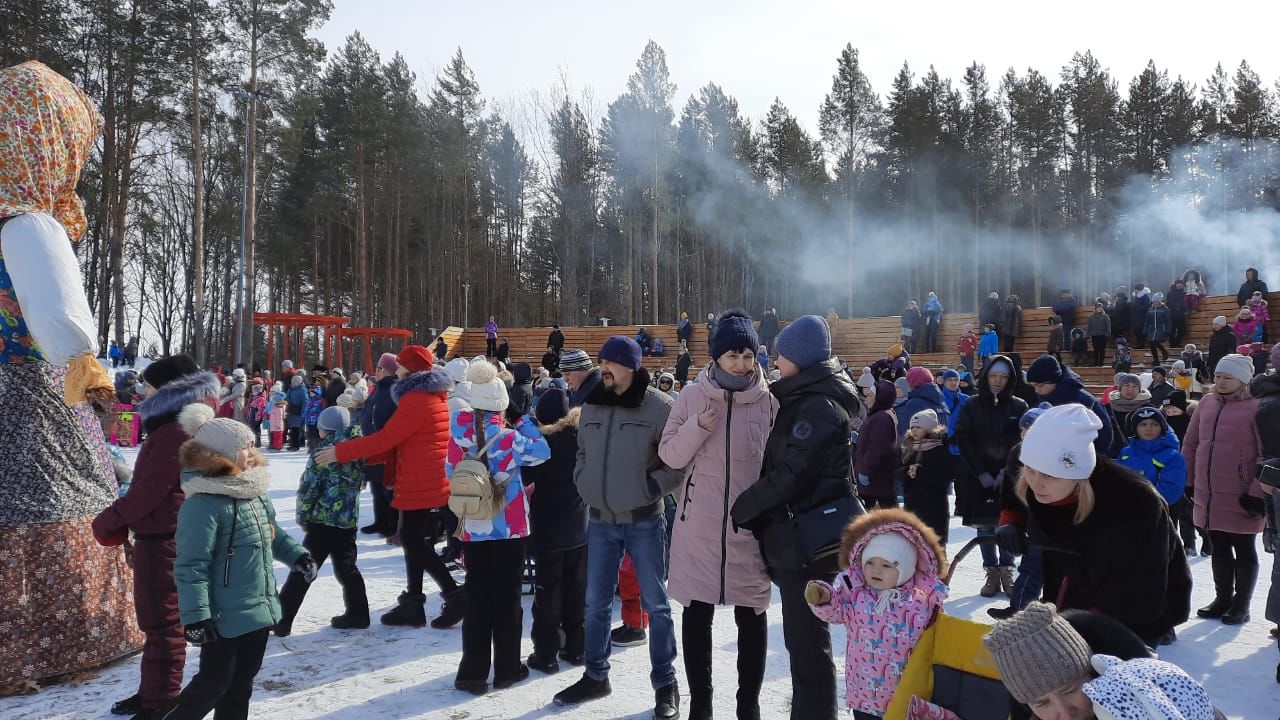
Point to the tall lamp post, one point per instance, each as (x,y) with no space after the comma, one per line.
(466,305)
(242,328)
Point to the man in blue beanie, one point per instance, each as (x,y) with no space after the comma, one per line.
(808,461)
(623,481)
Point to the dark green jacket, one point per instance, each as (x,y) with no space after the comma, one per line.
(227,536)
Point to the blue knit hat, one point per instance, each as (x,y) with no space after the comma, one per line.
(950,374)
(622,350)
(1029,417)
(806,341)
(1046,369)
(734,331)
(333,418)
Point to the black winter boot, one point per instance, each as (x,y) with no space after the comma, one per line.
(1246,579)
(128,706)
(696,634)
(455,606)
(666,702)
(753,647)
(1223,583)
(410,611)
(356,602)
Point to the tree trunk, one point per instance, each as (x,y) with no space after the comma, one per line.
(197,212)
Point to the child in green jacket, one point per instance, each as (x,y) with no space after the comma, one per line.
(227,537)
(329,512)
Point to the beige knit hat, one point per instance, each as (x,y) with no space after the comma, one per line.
(1037,652)
(223,436)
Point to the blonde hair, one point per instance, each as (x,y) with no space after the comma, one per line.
(1084,495)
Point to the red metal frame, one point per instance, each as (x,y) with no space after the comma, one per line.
(297,322)
(369,334)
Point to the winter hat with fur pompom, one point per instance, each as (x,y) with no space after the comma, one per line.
(488,391)
(223,436)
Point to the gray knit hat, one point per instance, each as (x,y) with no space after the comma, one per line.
(223,436)
(333,418)
(575,360)
(1037,652)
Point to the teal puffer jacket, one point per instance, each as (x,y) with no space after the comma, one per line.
(227,537)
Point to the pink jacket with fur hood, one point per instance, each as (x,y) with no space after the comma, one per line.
(879,644)
(710,560)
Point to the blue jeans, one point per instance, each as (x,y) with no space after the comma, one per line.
(645,541)
(1030,582)
(989,549)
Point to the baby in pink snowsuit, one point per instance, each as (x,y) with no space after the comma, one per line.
(886,598)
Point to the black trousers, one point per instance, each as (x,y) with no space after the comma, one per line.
(753,645)
(559,601)
(1099,349)
(417,532)
(1231,550)
(492,625)
(295,437)
(1007,342)
(224,682)
(257,434)
(931,337)
(385,517)
(490,347)
(324,542)
(1157,350)
(1178,328)
(808,641)
(1181,513)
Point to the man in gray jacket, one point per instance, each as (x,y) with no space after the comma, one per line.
(623,481)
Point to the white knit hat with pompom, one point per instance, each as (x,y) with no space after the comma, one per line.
(488,392)
(223,436)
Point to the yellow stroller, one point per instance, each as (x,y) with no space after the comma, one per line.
(951,668)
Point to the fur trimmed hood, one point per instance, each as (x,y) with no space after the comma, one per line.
(931,556)
(568,421)
(169,400)
(435,380)
(244,485)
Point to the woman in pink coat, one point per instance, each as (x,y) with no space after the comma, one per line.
(717,432)
(1221,450)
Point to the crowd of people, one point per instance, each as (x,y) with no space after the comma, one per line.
(616,481)
(710,491)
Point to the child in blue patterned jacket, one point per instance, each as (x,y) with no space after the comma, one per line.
(329,513)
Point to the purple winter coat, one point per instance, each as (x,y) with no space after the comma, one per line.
(712,562)
(876,457)
(1221,450)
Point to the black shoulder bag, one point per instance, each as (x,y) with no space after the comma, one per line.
(818,529)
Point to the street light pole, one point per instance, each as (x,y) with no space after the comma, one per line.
(466,305)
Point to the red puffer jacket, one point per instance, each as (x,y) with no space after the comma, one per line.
(414,443)
(1221,450)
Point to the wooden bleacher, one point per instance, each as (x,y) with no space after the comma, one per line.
(861,341)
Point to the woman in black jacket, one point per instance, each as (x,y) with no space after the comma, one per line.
(1267,387)
(1081,508)
(1250,285)
(558,517)
(808,460)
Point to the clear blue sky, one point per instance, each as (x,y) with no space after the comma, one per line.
(757,50)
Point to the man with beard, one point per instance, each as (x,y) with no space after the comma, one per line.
(623,482)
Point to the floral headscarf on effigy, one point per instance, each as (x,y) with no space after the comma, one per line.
(47,130)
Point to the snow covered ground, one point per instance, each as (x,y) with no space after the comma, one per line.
(398,674)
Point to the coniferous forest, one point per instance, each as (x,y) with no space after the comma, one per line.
(405,201)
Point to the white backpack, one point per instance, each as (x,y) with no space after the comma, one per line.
(474,494)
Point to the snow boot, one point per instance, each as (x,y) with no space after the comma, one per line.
(455,606)
(131,705)
(1006,580)
(1223,581)
(543,663)
(410,611)
(1246,579)
(584,690)
(521,675)
(1002,613)
(991,587)
(666,702)
(356,604)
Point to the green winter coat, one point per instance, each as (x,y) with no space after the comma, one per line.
(330,494)
(237,589)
